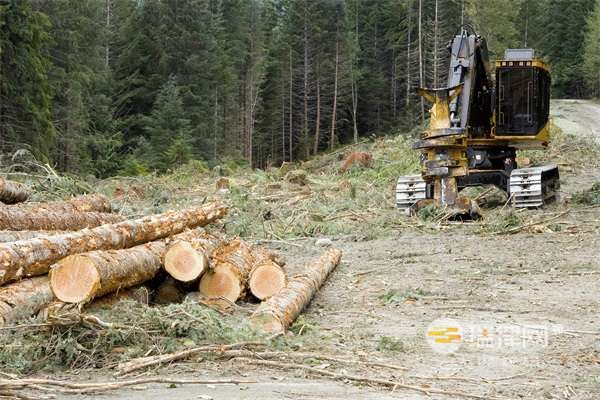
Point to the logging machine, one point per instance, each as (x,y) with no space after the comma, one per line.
(476,127)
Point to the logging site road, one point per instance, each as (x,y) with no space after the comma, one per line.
(524,304)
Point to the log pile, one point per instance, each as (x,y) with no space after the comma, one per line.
(78,252)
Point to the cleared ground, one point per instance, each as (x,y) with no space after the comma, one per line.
(527,303)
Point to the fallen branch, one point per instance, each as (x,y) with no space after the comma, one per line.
(51,385)
(145,362)
(364,379)
(525,226)
(280,354)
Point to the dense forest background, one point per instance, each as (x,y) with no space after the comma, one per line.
(108,87)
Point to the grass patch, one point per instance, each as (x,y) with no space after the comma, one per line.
(397,296)
(391,344)
(589,196)
(501,220)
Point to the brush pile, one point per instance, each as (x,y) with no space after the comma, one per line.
(78,251)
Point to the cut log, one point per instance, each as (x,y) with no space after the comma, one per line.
(139,294)
(278,312)
(186,261)
(87,203)
(83,277)
(266,277)
(13,236)
(169,291)
(15,219)
(12,192)
(24,299)
(228,278)
(34,256)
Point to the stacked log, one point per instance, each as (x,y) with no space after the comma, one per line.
(228,278)
(187,259)
(34,256)
(15,219)
(238,268)
(12,192)
(85,276)
(87,203)
(267,276)
(13,236)
(278,312)
(23,299)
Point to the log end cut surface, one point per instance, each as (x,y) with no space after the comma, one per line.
(223,281)
(185,263)
(268,323)
(266,280)
(74,279)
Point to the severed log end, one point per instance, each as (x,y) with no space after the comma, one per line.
(74,279)
(184,263)
(269,323)
(169,291)
(266,279)
(222,281)
(12,192)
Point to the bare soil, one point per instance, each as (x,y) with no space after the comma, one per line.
(379,302)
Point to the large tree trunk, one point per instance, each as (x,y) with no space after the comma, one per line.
(88,203)
(23,299)
(13,236)
(228,278)
(16,219)
(83,277)
(278,312)
(34,256)
(187,260)
(12,192)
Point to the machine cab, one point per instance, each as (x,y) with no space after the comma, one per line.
(522,96)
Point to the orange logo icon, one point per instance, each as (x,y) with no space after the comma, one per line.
(444,335)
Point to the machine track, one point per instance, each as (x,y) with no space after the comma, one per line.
(534,187)
(409,190)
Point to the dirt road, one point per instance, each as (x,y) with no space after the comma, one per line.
(581,117)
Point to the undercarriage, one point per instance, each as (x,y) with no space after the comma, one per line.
(529,187)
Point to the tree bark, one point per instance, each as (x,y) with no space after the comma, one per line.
(318,117)
(267,276)
(305,91)
(335,86)
(83,277)
(33,257)
(23,299)
(232,264)
(408,44)
(140,294)
(291,115)
(421,59)
(12,192)
(278,312)
(23,220)
(13,236)
(187,260)
(88,203)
